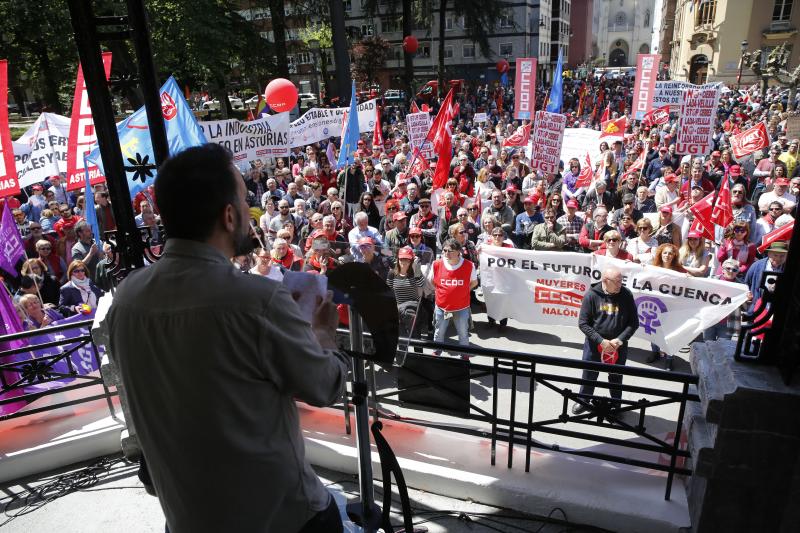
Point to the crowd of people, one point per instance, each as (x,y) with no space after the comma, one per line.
(382,210)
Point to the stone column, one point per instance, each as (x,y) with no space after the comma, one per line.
(744,439)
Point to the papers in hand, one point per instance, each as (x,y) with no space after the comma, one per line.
(306,289)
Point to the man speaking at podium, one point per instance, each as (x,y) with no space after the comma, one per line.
(213,359)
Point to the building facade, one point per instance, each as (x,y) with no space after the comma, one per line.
(708,37)
(666,29)
(528,30)
(625,29)
(580,21)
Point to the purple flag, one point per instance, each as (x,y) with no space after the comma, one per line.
(331,157)
(11,247)
(10,323)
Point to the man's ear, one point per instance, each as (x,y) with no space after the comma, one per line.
(228,218)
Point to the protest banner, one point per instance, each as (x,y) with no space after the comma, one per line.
(645,86)
(696,120)
(578,141)
(479,118)
(547,138)
(749,141)
(318,123)
(792,127)
(9,184)
(41,151)
(262,138)
(547,288)
(525,88)
(418,125)
(669,92)
(81,133)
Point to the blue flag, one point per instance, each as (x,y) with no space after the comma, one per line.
(351,133)
(183,132)
(504,79)
(557,90)
(89,213)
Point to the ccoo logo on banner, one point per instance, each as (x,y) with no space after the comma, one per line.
(645,87)
(525,88)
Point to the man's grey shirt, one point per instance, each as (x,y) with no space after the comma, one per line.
(213,360)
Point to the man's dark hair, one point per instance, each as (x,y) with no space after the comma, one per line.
(193,188)
(452,244)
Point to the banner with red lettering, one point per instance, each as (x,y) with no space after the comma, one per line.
(525,88)
(696,120)
(81,133)
(547,288)
(645,87)
(749,141)
(9,185)
(657,116)
(548,135)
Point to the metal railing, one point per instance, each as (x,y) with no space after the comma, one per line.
(424,385)
(48,368)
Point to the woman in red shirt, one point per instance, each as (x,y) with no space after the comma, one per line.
(612,246)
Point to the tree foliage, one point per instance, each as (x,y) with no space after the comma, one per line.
(369,56)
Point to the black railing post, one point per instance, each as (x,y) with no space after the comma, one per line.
(128,240)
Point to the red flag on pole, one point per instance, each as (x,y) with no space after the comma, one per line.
(440,128)
(414,107)
(8,168)
(657,116)
(377,134)
(82,135)
(443,164)
(723,210)
(520,137)
(702,216)
(614,128)
(585,177)
(606,114)
(784,233)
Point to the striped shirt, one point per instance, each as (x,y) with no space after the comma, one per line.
(405,289)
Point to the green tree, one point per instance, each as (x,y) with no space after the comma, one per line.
(323,34)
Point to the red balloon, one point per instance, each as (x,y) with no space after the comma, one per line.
(410,44)
(281,95)
(502,66)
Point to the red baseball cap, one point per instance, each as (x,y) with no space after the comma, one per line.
(511,188)
(694,235)
(572,203)
(415,231)
(530,199)
(405,253)
(671,178)
(783,182)
(735,170)
(399,215)
(666,209)
(365,240)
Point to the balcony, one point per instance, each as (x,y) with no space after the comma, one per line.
(620,28)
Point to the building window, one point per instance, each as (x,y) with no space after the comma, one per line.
(646,18)
(424,51)
(367,30)
(348,5)
(448,24)
(620,19)
(706,12)
(468,50)
(448,52)
(303,58)
(391,25)
(506,49)
(644,49)
(506,22)
(782,11)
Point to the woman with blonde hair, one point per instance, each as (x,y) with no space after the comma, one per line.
(37,316)
(484,186)
(643,246)
(694,256)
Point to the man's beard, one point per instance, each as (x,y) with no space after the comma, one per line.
(243,243)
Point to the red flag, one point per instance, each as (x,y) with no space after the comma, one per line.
(250,116)
(377,134)
(702,216)
(585,177)
(443,164)
(723,210)
(659,115)
(614,128)
(82,135)
(414,107)
(520,137)
(8,169)
(420,166)
(440,128)
(784,233)
(749,141)
(606,114)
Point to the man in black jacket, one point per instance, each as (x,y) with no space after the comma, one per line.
(608,318)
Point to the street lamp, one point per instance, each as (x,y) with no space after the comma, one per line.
(741,64)
(313,45)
